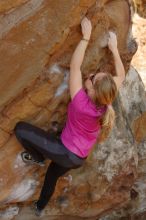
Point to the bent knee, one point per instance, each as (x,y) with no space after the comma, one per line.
(19,125)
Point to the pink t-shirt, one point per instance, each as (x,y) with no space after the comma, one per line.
(82,126)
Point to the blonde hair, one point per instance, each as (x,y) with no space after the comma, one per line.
(105,93)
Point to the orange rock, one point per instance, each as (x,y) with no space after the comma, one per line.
(4,136)
(140,7)
(37,39)
(9,5)
(139,127)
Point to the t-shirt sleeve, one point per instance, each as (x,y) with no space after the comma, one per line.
(80,100)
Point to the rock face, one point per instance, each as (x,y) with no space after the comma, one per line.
(139,32)
(37,41)
(140,6)
(134,103)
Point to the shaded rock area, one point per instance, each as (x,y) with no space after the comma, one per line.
(37,39)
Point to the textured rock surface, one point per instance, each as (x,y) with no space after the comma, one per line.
(140,6)
(135,109)
(37,39)
(139,32)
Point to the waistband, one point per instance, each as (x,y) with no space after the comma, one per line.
(81,158)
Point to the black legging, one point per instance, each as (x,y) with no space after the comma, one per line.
(42,145)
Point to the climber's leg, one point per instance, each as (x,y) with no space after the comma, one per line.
(23,132)
(41,144)
(53,173)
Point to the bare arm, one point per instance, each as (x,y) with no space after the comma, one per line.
(119,69)
(75,79)
(112,44)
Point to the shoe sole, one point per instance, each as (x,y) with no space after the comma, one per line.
(30,162)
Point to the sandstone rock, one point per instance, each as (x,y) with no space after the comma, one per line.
(140,6)
(139,127)
(4,137)
(37,41)
(135,108)
(6,6)
(139,33)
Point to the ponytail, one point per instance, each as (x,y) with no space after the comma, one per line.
(107,122)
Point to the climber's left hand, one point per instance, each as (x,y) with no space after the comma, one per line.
(86,28)
(112,41)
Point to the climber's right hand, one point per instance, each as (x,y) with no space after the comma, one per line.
(86,28)
(112,41)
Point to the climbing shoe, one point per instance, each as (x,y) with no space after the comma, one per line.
(37,211)
(27,158)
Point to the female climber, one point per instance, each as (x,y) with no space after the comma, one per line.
(90,114)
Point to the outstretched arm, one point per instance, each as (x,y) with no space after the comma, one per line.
(75,79)
(112,44)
